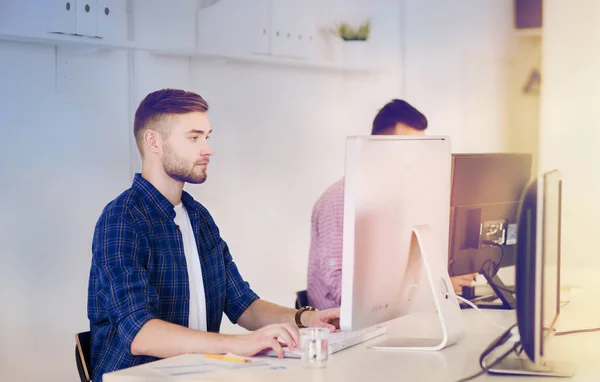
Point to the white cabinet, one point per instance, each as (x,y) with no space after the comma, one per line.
(63,16)
(91,18)
(282,33)
(259,27)
(87,18)
(112,19)
(293,31)
(284,28)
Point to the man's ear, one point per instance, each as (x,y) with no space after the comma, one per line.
(152,141)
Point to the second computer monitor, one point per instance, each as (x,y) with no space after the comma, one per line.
(486,189)
(538,279)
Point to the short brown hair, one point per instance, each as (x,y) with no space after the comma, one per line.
(157,105)
(394,112)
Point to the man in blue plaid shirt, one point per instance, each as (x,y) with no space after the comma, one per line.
(161,275)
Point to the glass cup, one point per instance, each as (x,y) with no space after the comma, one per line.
(314,343)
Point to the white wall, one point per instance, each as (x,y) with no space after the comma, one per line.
(525,104)
(63,157)
(278,134)
(569,132)
(457,56)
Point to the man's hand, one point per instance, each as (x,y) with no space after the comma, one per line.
(459,281)
(267,337)
(329,318)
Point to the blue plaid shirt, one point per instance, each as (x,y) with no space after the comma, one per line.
(139,273)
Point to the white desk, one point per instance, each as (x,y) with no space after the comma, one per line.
(362,364)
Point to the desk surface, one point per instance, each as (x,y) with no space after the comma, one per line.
(362,364)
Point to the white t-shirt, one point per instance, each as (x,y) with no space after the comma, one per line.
(197,318)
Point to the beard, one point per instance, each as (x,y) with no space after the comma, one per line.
(181,171)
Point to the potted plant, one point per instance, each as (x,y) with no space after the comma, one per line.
(349,33)
(354,42)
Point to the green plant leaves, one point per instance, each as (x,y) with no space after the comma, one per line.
(349,33)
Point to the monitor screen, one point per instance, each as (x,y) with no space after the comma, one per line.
(538,263)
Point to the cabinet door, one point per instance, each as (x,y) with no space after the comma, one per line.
(87,14)
(112,20)
(63,15)
(281,28)
(293,30)
(259,27)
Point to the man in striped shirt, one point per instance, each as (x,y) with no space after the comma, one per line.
(325,258)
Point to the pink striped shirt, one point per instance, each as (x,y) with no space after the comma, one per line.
(325,257)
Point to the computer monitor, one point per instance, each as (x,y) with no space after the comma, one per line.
(538,277)
(392,185)
(486,189)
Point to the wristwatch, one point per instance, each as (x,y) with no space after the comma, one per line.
(299,313)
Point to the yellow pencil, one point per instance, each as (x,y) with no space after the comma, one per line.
(228,358)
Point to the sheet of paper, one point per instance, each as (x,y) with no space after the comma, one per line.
(579,313)
(206,366)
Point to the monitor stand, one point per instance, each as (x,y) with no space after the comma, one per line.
(507,299)
(447,310)
(514,365)
(501,292)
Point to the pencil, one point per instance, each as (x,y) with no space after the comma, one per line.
(228,358)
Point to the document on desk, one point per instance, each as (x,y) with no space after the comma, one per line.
(190,366)
(579,314)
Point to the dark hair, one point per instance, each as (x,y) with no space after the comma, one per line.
(394,112)
(157,105)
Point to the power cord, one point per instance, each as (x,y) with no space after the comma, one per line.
(488,367)
(493,346)
(479,310)
(497,265)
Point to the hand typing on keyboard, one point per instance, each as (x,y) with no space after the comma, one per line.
(339,340)
(273,337)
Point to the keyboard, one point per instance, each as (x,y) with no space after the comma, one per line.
(339,340)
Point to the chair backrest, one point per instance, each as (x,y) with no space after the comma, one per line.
(301,299)
(82,355)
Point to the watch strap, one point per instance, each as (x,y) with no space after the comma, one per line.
(299,313)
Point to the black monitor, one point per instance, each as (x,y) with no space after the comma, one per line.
(538,278)
(484,201)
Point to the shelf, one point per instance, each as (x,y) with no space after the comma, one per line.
(70,40)
(252,59)
(529,32)
(265,59)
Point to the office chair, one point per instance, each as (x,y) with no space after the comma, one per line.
(301,299)
(82,355)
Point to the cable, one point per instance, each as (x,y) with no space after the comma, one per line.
(520,350)
(488,367)
(495,267)
(470,377)
(498,342)
(494,244)
(479,310)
